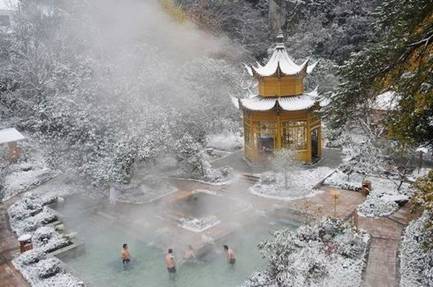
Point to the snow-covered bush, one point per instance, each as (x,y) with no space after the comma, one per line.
(31,257)
(375,206)
(48,267)
(416,254)
(47,239)
(325,254)
(42,271)
(30,212)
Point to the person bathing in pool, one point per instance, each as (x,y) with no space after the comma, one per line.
(125,254)
(230,254)
(189,254)
(170,263)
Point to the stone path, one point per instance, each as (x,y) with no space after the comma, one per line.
(383,265)
(9,276)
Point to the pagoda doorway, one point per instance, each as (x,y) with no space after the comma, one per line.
(266,139)
(315,144)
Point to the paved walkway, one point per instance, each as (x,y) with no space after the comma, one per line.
(9,276)
(383,264)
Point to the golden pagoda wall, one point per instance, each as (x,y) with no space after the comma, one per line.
(278,125)
(278,87)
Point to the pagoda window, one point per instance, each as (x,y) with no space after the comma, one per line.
(294,135)
(265,135)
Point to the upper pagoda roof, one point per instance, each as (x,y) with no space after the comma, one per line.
(280,64)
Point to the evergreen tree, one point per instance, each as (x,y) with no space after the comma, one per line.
(398,59)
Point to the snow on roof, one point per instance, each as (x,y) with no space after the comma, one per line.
(422,150)
(10,135)
(388,101)
(281,61)
(294,103)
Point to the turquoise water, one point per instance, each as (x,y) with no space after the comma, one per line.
(100,264)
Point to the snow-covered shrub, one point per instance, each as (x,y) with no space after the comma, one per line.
(218,175)
(30,224)
(24,208)
(44,272)
(311,255)
(29,213)
(48,267)
(31,257)
(375,206)
(416,258)
(47,239)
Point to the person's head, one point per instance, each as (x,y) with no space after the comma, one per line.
(125,245)
(170,251)
(226,247)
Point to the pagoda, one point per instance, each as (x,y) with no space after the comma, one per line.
(282,115)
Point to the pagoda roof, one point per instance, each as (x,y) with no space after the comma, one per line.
(10,135)
(280,64)
(292,103)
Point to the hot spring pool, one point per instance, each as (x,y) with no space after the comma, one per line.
(100,264)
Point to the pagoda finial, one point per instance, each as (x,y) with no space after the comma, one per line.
(280,37)
(280,40)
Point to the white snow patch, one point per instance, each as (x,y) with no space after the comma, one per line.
(199,224)
(387,101)
(300,184)
(382,198)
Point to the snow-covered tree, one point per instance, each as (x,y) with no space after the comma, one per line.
(396,59)
(307,256)
(190,156)
(285,161)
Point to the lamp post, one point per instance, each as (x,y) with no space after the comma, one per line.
(335,194)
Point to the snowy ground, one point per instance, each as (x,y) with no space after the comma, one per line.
(383,198)
(300,183)
(416,262)
(329,253)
